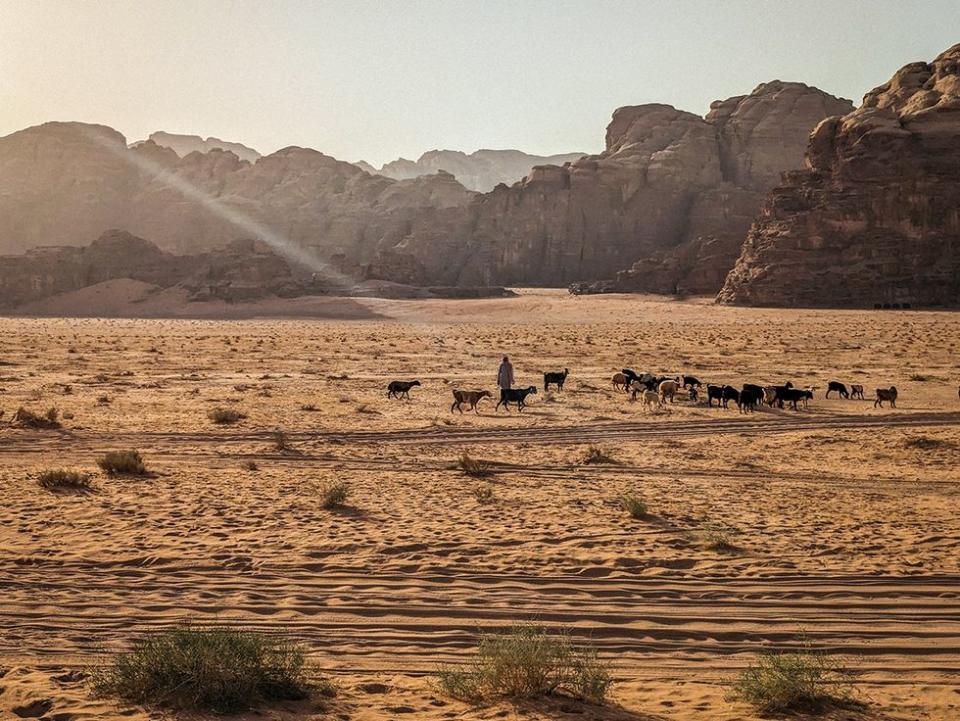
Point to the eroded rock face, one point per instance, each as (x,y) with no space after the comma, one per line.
(482,170)
(240,271)
(875,216)
(61,183)
(672,195)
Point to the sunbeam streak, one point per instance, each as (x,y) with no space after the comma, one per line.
(250,227)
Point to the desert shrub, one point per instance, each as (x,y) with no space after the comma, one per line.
(225,416)
(281,441)
(309,407)
(29,419)
(596,455)
(919,378)
(251,465)
(473,467)
(718,537)
(805,681)
(525,662)
(219,669)
(127,462)
(634,505)
(103,401)
(335,495)
(484,494)
(63,480)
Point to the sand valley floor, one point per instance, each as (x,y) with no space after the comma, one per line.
(845,518)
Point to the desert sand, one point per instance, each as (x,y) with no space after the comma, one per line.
(844,516)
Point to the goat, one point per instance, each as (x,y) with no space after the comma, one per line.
(779,393)
(651,399)
(838,387)
(750,396)
(691,381)
(398,389)
(619,381)
(723,394)
(886,394)
(856,391)
(667,389)
(514,395)
(630,376)
(471,397)
(792,395)
(556,378)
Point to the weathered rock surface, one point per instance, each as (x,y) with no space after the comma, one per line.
(875,216)
(673,194)
(481,170)
(240,271)
(183,145)
(61,183)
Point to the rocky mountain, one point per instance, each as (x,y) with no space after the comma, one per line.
(873,219)
(670,198)
(63,183)
(183,145)
(482,170)
(672,195)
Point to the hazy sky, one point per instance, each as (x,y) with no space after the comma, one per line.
(377,80)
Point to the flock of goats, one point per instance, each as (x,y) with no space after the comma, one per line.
(654,391)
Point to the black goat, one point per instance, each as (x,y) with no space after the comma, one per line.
(557,379)
(400,389)
(792,395)
(514,395)
(838,387)
(750,397)
(723,394)
(691,381)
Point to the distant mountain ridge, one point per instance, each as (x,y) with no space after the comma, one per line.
(481,170)
(183,145)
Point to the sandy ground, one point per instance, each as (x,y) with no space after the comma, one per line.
(844,517)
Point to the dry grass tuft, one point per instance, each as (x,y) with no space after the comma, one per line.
(127,463)
(804,682)
(595,455)
(225,416)
(334,495)
(63,480)
(527,662)
(224,670)
(634,505)
(474,467)
(29,419)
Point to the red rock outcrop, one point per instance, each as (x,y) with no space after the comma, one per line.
(672,193)
(874,219)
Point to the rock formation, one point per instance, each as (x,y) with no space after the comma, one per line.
(242,270)
(482,170)
(874,219)
(183,145)
(672,193)
(61,183)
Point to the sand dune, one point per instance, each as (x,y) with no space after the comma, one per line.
(843,516)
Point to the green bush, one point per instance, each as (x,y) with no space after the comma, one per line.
(634,505)
(804,681)
(335,495)
(527,662)
(123,463)
(63,480)
(218,669)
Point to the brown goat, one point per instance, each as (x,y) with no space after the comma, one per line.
(471,397)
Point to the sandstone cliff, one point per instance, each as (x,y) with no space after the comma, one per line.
(672,193)
(874,219)
(62,183)
(482,170)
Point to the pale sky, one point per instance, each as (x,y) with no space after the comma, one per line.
(378,80)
